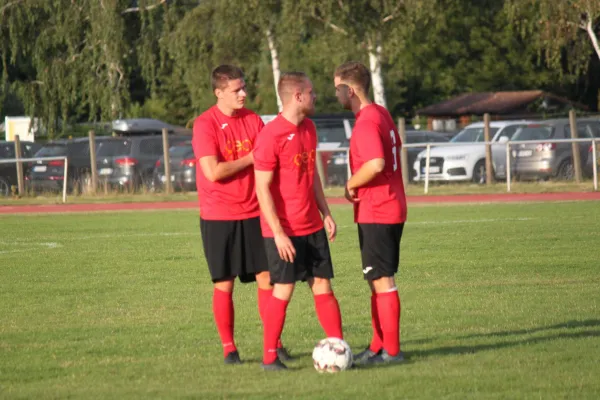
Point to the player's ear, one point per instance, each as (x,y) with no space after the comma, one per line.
(218,93)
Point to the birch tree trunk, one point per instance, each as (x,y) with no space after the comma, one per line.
(376,75)
(274,65)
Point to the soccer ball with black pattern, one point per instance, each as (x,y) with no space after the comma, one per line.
(332,355)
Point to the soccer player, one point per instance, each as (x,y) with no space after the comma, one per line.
(223,138)
(377,191)
(294,213)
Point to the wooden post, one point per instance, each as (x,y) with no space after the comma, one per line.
(93,165)
(320,170)
(575,146)
(165,136)
(404,151)
(489,168)
(20,180)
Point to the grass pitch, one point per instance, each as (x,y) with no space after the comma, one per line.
(498,301)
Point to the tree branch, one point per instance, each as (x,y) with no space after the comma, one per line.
(12,3)
(137,9)
(393,14)
(331,25)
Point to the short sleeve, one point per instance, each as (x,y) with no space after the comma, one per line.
(265,152)
(258,125)
(204,141)
(367,141)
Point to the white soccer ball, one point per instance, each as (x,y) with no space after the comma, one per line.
(332,355)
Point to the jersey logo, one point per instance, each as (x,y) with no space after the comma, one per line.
(223,126)
(367,270)
(291,136)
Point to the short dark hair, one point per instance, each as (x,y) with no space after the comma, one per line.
(356,73)
(224,73)
(288,79)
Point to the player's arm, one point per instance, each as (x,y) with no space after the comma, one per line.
(215,170)
(368,140)
(324,207)
(367,172)
(284,245)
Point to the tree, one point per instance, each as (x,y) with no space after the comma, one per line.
(373,25)
(562,29)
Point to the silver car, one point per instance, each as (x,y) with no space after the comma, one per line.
(546,159)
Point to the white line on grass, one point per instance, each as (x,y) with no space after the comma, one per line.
(155,234)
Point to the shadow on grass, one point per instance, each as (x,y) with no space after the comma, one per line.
(529,331)
(466,349)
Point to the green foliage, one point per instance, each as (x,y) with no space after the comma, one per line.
(70,62)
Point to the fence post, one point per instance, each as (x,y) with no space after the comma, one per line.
(575,146)
(508,166)
(489,168)
(20,180)
(65,177)
(428,152)
(320,170)
(595,161)
(167,161)
(348,168)
(403,151)
(93,165)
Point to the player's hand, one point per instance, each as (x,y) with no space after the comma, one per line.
(250,157)
(351,195)
(286,248)
(330,227)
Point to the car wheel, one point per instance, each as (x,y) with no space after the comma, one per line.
(479,173)
(566,171)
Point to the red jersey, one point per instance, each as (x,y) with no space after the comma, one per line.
(227,138)
(383,200)
(289,151)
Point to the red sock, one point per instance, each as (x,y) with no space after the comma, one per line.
(274,320)
(223,313)
(264,295)
(328,312)
(388,307)
(377,340)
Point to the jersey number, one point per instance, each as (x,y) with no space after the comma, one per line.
(394,150)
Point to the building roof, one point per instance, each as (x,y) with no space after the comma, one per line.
(492,102)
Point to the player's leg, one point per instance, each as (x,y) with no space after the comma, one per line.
(283,277)
(381,251)
(256,263)
(216,243)
(320,271)
(376,344)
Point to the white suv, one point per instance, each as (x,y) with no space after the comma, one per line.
(467,163)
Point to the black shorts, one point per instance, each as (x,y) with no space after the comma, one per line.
(313,259)
(234,248)
(379,249)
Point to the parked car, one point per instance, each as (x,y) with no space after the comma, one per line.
(338,163)
(589,165)
(183,168)
(8,171)
(49,175)
(467,162)
(128,162)
(546,159)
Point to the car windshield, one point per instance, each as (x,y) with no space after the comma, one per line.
(52,151)
(470,135)
(534,132)
(181,151)
(7,150)
(110,148)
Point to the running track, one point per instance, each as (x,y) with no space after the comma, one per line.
(456,199)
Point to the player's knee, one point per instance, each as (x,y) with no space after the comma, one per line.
(263,280)
(283,291)
(320,285)
(225,285)
(383,284)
